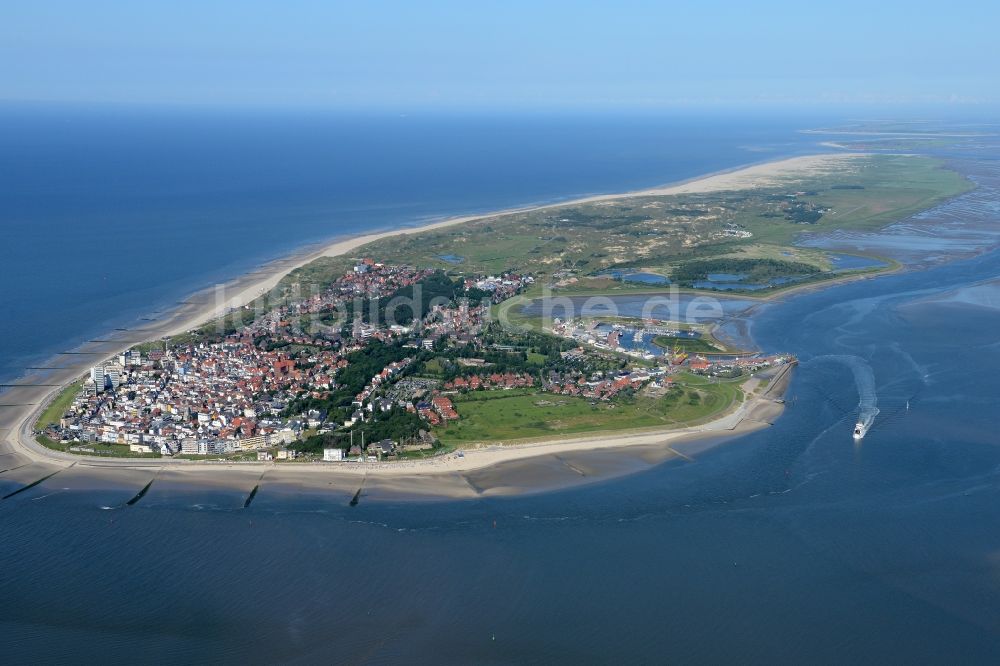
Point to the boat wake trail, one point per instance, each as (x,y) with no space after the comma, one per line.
(864,379)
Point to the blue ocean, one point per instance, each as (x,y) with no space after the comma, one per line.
(112,215)
(793,544)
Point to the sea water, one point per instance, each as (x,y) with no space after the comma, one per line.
(792,544)
(113,214)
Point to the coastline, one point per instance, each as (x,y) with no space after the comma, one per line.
(454,475)
(17,415)
(758,175)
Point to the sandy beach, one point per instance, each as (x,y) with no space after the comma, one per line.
(491,470)
(21,456)
(768,174)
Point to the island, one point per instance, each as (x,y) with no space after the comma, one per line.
(491,338)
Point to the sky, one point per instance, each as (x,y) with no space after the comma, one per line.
(500,55)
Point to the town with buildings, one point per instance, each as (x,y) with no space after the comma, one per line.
(301,383)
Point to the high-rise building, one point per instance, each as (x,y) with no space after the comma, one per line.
(97,376)
(130,357)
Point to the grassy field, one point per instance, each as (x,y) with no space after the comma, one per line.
(894,187)
(118,451)
(58,407)
(511,417)
(685,344)
(100,449)
(655,233)
(809,256)
(535,358)
(50,443)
